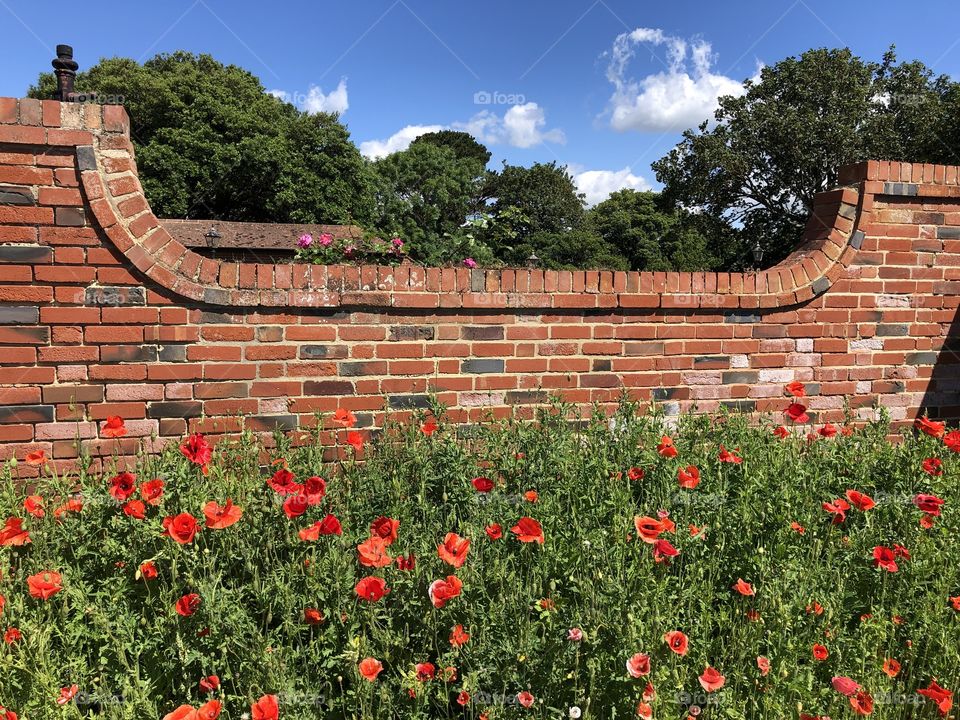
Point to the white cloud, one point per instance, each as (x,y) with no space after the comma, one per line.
(522,126)
(681,96)
(598,184)
(316,101)
(400,140)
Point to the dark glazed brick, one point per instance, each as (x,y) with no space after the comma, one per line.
(643,349)
(922,358)
(269,423)
(216,318)
(319,352)
(26,254)
(20,335)
(128,353)
(28,414)
(893,330)
(480,367)
(353,369)
(16,196)
(65,394)
(526,397)
(86,159)
(175,409)
(739,317)
(172,353)
(739,377)
(948,233)
(820,286)
(327,387)
(711,362)
(115,295)
(409,402)
(478,280)
(19,315)
(482,332)
(70,217)
(856,240)
(601,366)
(411,332)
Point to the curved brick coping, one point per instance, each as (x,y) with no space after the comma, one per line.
(105,160)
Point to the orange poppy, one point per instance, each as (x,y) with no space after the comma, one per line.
(458,636)
(689,477)
(113,427)
(330,525)
(711,680)
(33,504)
(862,703)
(373,553)
(891,667)
(188,604)
(184,712)
(820,652)
(355,440)
(44,585)
(454,549)
(266,708)
(443,591)
(648,528)
(210,710)
(676,641)
(13,533)
(36,458)
(639,665)
(370,668)
(344,418)
(665,448)
(743,587)
(795,388)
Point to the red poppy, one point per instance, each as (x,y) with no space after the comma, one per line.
(210,683)
(463,698)
(355,440)
(3,601)
(763,664)
(952,440)
(219,517)
(743,587)
(312,616)
(797,413)
(941,696)
(528,530)
(676,641)
(531,496)
(862,703)
(425,671)
(405,563)
(294,506)
(885,558)
(282,482)
(210,710)
(844,685)
(11,636)
(33,504)
(373,552)
(666,448)
(151,491)
(184,712)
(726,456)
(371,589)
(67,694)
(711,680)
(930,504)
(197,450)
(122,486)
(449,674)
(13,533)
(135,509)
(639,665)
(454,550)
(429,428)
(781,432)
(955,603)
(35,458)
(494,531)
(44,585)
(385,528)
(828,430)
(648,528)
(330,525)
(482,484)
(927,521)
(266,708)
(344,418)
(663,550)
(188,604)
(181,528)
(838,508)
(930,427)
(820,652)
(113,427)
(644,711)
(526,699)
(933,466)
(797,527)
(458,636)
(795,388)
(315,488)
(635,473)
(860,500)
(815,608)
(71,505)
(370,668)
(443,591)
(891,667)
(901,552)
(689,477)
(147,570)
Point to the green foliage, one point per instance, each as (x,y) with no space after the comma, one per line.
(463,144)
(211,143)
(118,638)
(757,168)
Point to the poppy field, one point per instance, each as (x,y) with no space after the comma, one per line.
(610,566)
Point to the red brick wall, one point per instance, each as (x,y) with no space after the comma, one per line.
(103,313)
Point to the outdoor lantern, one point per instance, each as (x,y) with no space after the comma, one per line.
(757,254)
(533,261)
(212,237)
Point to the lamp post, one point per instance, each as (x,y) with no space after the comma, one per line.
(757,255)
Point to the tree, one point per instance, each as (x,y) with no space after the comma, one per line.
(463,144)
(212,143)
(757,168)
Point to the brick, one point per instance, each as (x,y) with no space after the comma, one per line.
(25,414)
(182,409)
(19,315)
(481,366)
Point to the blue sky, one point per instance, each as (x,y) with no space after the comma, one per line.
(603,86)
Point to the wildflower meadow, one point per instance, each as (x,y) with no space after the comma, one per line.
(603,566)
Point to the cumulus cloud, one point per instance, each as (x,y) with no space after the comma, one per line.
(317,101)
(683,95)
(400,140)
(598,184)
(522,126)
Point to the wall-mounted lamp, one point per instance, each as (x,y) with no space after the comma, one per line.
(213,238)
(757,254)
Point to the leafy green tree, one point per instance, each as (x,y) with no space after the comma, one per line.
(212,143)
(463,144)
(757,168)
